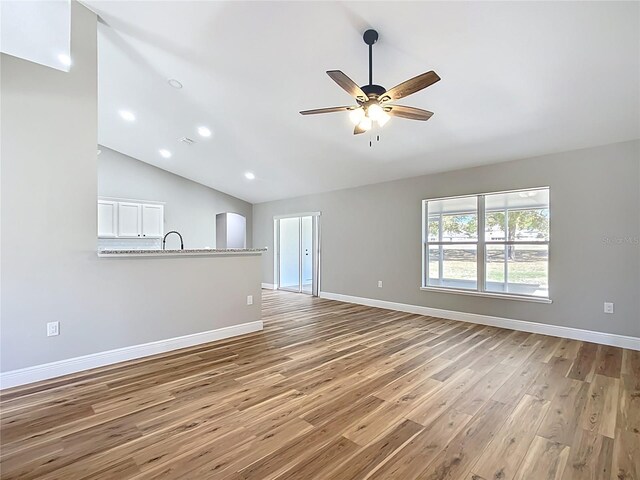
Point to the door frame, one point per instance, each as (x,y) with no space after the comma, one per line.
(315,222)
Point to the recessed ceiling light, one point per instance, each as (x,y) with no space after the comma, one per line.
(174,83)
(127,115)
(204,132)
(64,59)
(165,153)
(249,175)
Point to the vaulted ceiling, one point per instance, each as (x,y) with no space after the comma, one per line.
(519,79)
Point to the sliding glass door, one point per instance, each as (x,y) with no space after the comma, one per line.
(297,242)
(289,254)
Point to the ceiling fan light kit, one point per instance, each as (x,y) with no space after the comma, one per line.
(373,101)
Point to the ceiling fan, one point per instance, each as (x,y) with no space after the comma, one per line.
(373,101)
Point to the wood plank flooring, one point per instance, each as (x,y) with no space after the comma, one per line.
(331,390)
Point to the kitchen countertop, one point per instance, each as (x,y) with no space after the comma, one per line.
(181,253)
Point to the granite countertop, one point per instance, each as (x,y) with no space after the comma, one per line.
(185,252)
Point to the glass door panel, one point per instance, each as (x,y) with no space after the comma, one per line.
(289,266)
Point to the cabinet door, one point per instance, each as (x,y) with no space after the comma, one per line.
(107,219)
(152,220)
(129,220)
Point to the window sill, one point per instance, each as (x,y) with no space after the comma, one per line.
(503,296)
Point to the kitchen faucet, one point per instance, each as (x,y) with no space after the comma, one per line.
(164,240)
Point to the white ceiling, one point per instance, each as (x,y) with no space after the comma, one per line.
(519,79)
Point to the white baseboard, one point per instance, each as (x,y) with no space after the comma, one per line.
(268,286)
(46,371)
(632,343)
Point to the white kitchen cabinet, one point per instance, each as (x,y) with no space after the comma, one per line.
(129,220)
(152,220)
(107,219)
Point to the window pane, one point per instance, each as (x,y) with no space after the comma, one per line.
(495,267)
(453,220)
(434,228)
(495,227)
(525,271)
(458,266)
(434,263)
(528,225)
(513,216)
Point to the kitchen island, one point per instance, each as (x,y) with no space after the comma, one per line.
(140,303)
(203,294)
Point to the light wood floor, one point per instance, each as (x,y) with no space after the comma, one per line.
(332,390)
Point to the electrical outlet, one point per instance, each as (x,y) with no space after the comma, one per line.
(53,329)
(608,307)
(249,299)
(379,283)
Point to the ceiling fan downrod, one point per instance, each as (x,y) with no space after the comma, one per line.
(370,37)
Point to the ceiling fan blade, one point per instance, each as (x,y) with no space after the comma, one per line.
(327,110)
(411,86)
(358,130)
(347,84)
(411,113)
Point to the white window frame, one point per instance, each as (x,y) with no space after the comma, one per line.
(481,244)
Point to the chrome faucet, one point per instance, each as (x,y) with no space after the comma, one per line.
(164,240)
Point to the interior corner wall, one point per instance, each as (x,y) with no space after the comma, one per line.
(373,233)
(190,207)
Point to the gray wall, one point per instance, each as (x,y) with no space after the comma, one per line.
(49,267)
(190,207)
(373,233)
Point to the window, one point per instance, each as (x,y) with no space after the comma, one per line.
(491,244)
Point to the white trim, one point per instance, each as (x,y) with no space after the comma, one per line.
(293,215)
(623,341)
(543,187)
(476,293)
(133,200)
(276,253)
(268,286)
(72,365)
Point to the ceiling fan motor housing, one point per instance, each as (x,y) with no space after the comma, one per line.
(373,90)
